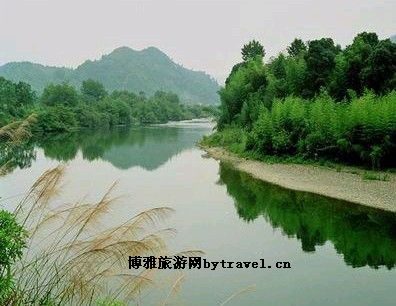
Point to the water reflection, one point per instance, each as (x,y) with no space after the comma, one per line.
(20,155)
(364,236)
(124,147)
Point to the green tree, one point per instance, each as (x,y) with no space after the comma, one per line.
(252,50)
(278,66)
(380,73)
(61,94)
(246,80)
(296,48)
(339,85)
(24,94)
(356,60)
(234,70)
(15,98)
(278,83)
(320,59)
(57,118)
(296,71)
(93,89)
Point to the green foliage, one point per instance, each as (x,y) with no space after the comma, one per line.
(62,108)
(247,80)
(296,75)
(320,59)
(93,89)
(57,118)
(12,242)
(232,138)
(380,73)
(198,111)
(252,50)
(296,48)
(319,101)
(375,176)
(350,65)
(15,98)
(88,116)
(320,65)
(109,302)
(362,132)
(233,71)
(62,94)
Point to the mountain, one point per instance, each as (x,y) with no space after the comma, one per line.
(393,38)
(147,70)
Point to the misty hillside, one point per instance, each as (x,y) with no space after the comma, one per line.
(393,38)
(148,70)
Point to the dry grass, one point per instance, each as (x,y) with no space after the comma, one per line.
(12,135)
(71,259)
(238,293)
(175,289)
(18,130)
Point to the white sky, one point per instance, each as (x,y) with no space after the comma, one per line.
(202,35)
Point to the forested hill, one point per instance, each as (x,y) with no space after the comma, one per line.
(148,70)
(393,38)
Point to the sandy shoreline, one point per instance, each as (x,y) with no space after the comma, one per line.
(320,180)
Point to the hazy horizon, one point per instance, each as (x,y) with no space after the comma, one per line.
(200,35)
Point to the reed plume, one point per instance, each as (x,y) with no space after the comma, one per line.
(11,136)
(71,260)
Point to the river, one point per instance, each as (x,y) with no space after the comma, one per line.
(340,254)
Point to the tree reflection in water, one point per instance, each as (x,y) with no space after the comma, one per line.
(123,147)
(364,236)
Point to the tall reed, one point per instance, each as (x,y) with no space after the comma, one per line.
(71,258)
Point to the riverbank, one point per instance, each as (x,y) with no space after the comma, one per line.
(345,184)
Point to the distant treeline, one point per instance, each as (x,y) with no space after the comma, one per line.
(316,101)
(62,108)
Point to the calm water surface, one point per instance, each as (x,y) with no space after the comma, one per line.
(341,254)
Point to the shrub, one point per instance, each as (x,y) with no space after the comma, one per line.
(232,138)
(12,242)
(56,119)
(60,94)
(360,132)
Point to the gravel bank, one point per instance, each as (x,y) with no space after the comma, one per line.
(341,185)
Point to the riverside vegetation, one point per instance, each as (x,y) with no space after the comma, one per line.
(317,102)
(61,108)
